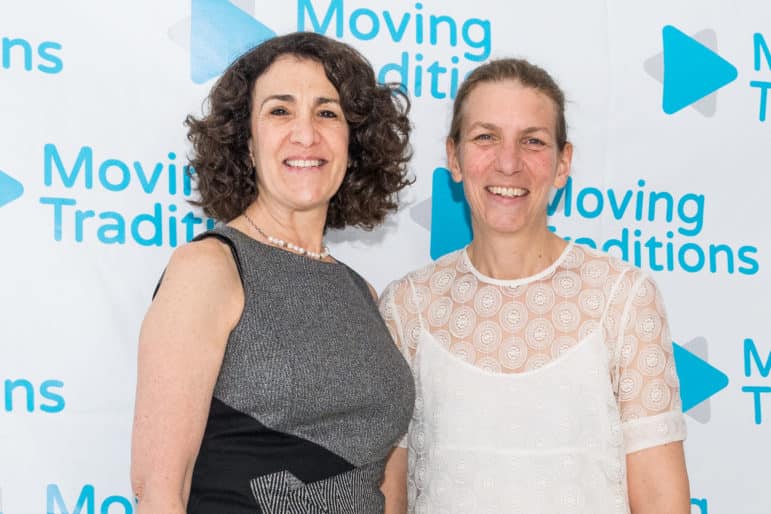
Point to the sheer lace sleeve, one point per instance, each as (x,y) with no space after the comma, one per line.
(648,389)
(392,309)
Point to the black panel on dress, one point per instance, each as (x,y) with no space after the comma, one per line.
(237,448)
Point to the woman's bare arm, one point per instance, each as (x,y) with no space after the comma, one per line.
(181,345)
(658,481)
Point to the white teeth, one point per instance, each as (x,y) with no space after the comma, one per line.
(508,192)
(298,163)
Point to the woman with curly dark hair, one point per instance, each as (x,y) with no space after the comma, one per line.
(267,381)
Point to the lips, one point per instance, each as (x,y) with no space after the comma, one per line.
(507,192)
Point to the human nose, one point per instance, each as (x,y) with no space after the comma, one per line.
(304,131)
(509,158)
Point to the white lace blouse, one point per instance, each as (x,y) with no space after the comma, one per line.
(530,392)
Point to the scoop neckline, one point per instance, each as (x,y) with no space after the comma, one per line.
(280,252)
(549,270)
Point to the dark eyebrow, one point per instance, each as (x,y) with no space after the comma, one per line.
(291,99)
(283,98)
(324,100)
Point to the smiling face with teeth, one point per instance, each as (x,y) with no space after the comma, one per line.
(299,143)
(507,158)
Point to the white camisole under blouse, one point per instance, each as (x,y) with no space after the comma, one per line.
(531,392)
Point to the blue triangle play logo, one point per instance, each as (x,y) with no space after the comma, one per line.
(10,189)
(698,379)
(691,70)
(450,215)
(219,33)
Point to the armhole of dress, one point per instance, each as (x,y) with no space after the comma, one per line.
(223,239)
(360,282)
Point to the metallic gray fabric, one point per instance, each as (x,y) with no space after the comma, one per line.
(311,356)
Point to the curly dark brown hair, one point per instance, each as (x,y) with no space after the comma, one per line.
(378,148)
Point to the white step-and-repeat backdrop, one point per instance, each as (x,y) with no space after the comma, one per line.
(668,106)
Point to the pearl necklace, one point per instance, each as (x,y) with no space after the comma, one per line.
(289,246)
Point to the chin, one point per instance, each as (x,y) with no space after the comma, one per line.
(504,226)
(310,202)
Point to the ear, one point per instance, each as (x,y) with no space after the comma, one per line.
(251,152)
(452,160)
(563,166)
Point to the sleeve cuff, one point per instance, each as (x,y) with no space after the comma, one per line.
(651,431)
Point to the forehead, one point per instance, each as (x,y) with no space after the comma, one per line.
(294,75)
(508,102)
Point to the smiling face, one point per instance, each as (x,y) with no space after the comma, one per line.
(299,143)
(507,157)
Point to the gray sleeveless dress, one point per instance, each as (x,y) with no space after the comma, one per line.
(311,396)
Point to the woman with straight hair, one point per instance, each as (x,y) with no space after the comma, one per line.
(544,371)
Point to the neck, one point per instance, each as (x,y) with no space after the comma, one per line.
(301,228)
(513,256)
